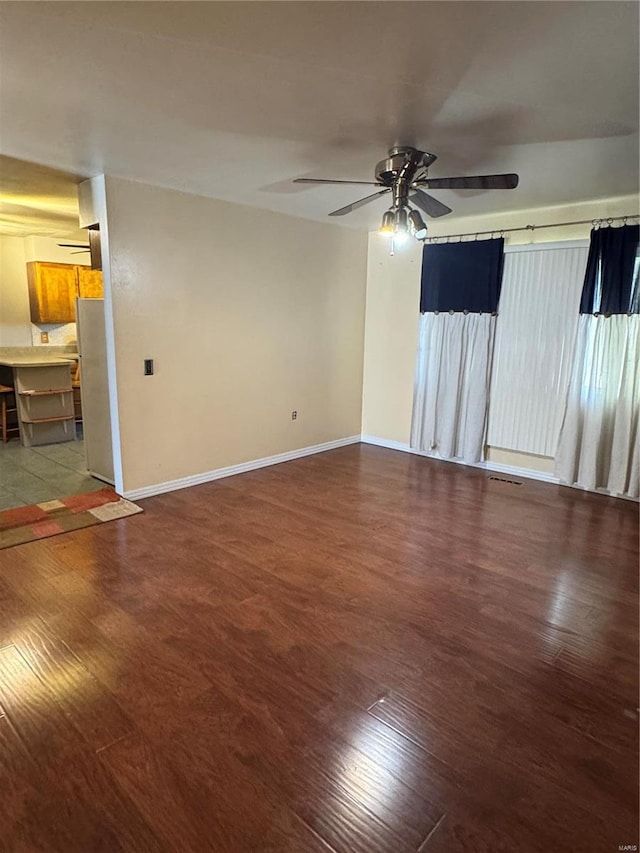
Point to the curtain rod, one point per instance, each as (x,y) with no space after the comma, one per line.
(500,231)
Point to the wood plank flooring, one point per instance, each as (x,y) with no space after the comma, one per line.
(361,651)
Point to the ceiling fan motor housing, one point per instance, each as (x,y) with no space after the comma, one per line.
(399,169)
(387,170)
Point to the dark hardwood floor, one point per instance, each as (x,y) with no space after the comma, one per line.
(355,652)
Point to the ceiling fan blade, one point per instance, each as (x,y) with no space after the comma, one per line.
(475,182)
(74,246)
(331,181)
(431,206)
(356,204)
(428,159)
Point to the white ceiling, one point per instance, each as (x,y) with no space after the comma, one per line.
(233,100)
(37,201)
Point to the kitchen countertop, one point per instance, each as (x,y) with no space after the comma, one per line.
(36,356)
(35,361)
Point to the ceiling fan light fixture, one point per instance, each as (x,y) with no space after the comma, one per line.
(401,221)
(388,222)
(418,225)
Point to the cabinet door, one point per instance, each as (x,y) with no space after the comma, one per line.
(52,292)
(89,283)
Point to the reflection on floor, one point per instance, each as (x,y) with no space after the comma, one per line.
(31,475)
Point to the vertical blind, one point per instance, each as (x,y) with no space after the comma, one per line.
(535,333)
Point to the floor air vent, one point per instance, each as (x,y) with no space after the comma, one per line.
(504,480)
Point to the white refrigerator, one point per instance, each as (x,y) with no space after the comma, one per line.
(94,388)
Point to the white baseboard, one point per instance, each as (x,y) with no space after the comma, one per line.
(496,467)
(391,445)
(243,467)
(219,473)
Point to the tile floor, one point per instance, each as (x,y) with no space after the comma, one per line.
(31,475)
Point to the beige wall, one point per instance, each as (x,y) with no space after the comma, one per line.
(47,249)
(391,334)
(248,316)
(393,296)
(15,322)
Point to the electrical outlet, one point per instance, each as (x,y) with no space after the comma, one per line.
(44,337)
(294,415)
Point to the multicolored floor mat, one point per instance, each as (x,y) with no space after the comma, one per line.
(28,523)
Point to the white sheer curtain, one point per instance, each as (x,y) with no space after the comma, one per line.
(451,389)
(598,446)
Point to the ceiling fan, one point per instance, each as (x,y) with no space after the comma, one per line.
(84,247)
(404,174)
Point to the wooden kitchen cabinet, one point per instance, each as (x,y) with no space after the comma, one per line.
(53,289)
(89,283)
(52,292)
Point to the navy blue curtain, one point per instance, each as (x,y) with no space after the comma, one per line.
(462,276)
(608,282)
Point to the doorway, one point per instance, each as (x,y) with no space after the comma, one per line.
(51,399)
